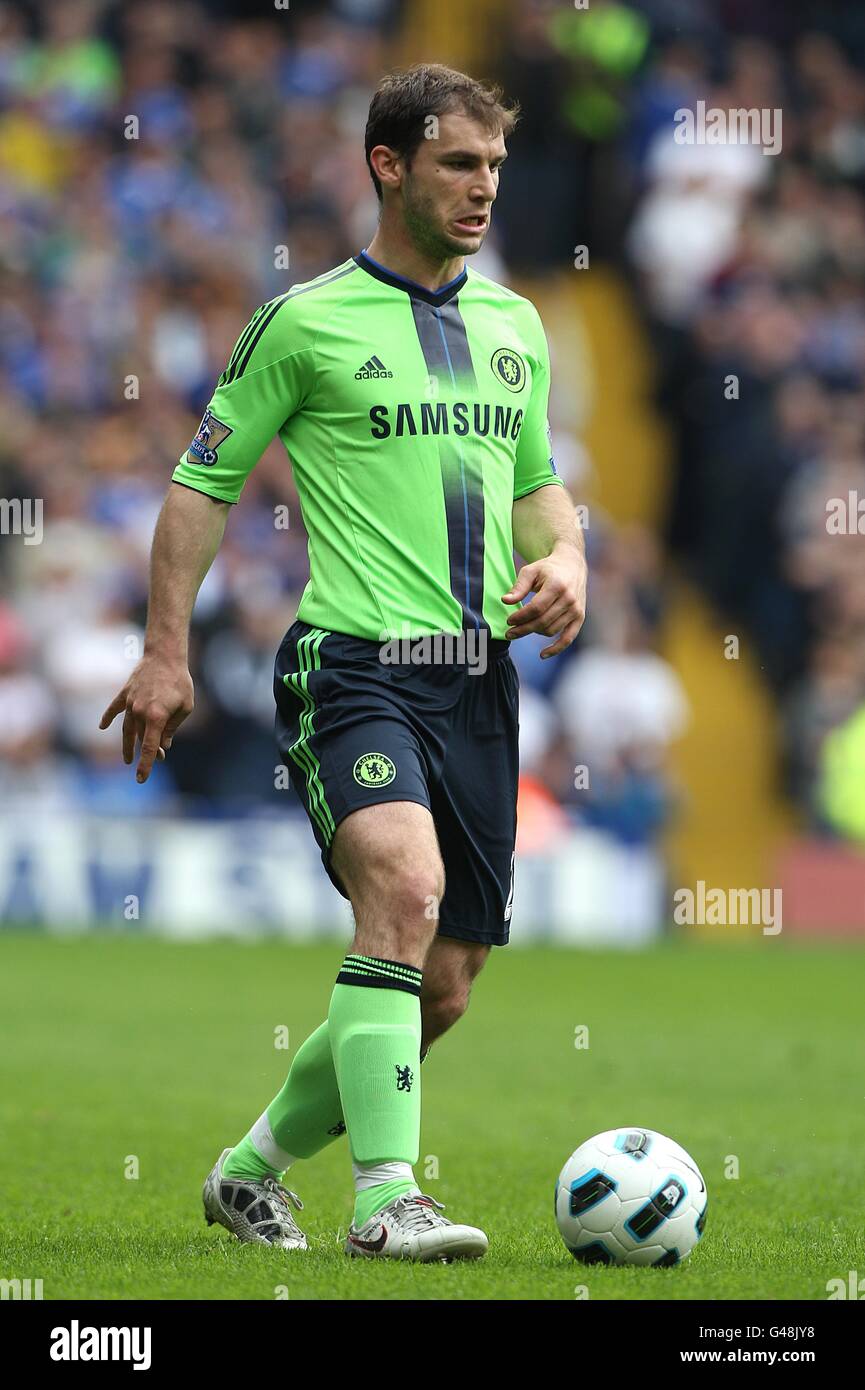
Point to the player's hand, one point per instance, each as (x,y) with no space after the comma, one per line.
(154,701)
(559,604)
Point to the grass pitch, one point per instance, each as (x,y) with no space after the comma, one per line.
(119,1048)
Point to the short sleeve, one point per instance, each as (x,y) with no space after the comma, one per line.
(534,465)
(266,381)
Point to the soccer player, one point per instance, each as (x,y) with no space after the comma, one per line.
(411,395)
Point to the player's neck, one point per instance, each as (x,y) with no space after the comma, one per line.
(391,248)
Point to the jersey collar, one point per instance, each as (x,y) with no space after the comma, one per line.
(399,282)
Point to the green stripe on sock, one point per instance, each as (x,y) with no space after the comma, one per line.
(373,973)
(392,967)
(379,960)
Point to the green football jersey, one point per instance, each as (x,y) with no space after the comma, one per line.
(413,418)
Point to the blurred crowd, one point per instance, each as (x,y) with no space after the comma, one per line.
(751,269)
(160,164)
(164,169)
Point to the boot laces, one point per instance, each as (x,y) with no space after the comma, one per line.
(416,1212)
(282,1196)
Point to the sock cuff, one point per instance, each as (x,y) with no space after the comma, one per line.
(368,1175)
(373,973)
(261,1138)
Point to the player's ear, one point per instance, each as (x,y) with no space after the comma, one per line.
(387,166)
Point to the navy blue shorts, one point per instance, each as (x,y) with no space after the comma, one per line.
(355,731)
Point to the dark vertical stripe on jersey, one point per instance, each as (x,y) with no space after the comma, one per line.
(251,335)
(445,347)
(241,344)
(444,343)
(243,363)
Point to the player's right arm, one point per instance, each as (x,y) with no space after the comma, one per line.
(266,380)
(159,694)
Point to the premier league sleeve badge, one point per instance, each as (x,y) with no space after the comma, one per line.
(209,435)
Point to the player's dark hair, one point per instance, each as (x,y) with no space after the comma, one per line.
(404,101)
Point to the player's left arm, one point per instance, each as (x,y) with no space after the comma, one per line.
(546,528)
(548,535)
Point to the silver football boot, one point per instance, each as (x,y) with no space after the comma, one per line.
(256,1211)
(410,1228)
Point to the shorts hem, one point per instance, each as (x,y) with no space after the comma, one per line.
(480,938)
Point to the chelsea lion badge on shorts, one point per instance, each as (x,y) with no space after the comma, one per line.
(209,435)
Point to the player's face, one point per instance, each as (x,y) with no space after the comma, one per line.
(450,189)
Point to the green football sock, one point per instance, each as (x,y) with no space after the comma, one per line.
(303,1118)
(245,1161)
(300,1121)
(373,1199)
(375,1030)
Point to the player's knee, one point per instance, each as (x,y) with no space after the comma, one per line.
(404,880)
(397,909)
(441,1011)
(444,999)
(415,892)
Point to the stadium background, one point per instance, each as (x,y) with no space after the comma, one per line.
(160,164)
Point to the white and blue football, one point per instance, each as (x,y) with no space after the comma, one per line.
(630,1197)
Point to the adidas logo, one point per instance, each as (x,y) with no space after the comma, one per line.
(374,367)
